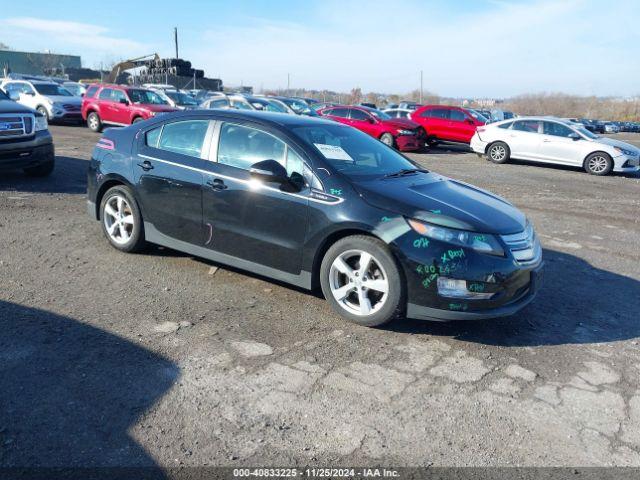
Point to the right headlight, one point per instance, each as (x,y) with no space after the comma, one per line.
(480,242)
(41,123)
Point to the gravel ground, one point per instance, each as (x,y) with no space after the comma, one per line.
(164,359)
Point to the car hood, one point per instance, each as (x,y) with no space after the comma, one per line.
(616,143)
(401,123)
(65,99)
(442,201)
(9,106)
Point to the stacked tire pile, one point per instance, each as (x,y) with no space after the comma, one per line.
(157,70)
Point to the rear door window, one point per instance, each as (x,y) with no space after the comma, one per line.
(359,115)
(91,91)
(530,126)
(184,138)
(441,113)
(338,112)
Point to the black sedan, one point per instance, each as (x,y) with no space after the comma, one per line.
(316,204)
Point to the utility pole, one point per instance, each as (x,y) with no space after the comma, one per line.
(288,82)
(421,87)
(175,39)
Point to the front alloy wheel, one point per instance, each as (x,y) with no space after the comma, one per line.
(598,164)
(358,282)
(362,281)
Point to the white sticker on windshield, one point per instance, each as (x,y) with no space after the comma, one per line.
(332,151)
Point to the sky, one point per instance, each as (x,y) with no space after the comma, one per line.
(465,48)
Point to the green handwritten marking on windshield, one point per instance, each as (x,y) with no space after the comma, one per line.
(385,219)
(458,307)
(336,191)
(421,243)
(479,238)
(437,212)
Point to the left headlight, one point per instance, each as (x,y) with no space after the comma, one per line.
(405,132)
(480,242)
(624,151)
(41,123)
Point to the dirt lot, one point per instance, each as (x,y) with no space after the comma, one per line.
(158,359)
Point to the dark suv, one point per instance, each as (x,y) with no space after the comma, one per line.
(315,203)
(25,141)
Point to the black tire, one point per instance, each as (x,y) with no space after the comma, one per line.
(394,304)
(94,122)
(388,140)
(43,111)
(598,163)
(42,170)
(498,152)
(136,242)
(432,141)
(137,119)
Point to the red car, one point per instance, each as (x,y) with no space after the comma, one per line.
(400,133)
(120,105)
(451,124)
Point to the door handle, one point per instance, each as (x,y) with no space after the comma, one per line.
(546,140)
(216,184)
(146,165)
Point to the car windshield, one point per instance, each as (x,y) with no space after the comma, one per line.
(182,98)
(586,133)
(478,116)
(3,96)
(276,107)
(352,152)
(379,114)
(146,97)
(266,105)
(52,89)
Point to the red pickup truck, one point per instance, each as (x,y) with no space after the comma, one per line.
(120,105)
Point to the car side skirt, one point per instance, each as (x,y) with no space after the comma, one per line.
(152,235)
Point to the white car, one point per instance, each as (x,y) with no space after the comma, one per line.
(553,140)
(50,99)
(399,112)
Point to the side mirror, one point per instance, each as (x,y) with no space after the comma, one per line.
(574,136)
(269,171)
(15,96)
(124,101)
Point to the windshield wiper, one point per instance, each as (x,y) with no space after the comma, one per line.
(403,172)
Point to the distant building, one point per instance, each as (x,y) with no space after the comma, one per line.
(32,63)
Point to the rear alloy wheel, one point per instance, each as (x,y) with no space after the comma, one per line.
(361,280)
(387,139)
(498,152)
(598,163)
(138,119)
(94,123)
(121,219)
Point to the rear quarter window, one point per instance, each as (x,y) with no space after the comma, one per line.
(506,125)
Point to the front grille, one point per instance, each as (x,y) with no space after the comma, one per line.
(16,126)
(524,246)
(71,108)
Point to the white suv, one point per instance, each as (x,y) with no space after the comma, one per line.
(50,99)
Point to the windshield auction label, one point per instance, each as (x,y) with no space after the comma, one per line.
(333,152)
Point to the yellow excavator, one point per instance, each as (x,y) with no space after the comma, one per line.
(127,65)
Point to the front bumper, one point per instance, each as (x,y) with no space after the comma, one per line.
(408,143)
(434,314)
(626,163)
(25,153)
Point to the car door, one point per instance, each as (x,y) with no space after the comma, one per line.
(107,112)
(523,139)
(120,107)
(557,146)
(461,126)
(435,121)
(168,171)
(364,122)
(257,222)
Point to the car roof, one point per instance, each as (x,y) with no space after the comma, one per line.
(266,118)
